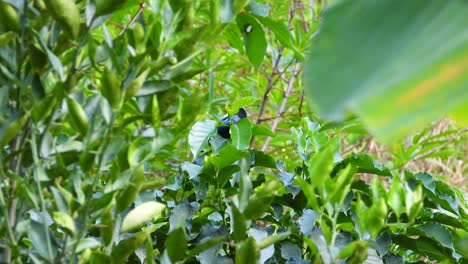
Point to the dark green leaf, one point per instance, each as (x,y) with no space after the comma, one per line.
(247,252)
(227,156)
(238,223)
(126,247)
(254,38)
(176,245)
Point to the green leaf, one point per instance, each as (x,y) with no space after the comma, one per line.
(176,245)
(355,252)
(241,133)
(6,37)
(254,38)
(248,252)
(422,245)
(259,130)
(261,159)
(53,59)
(242,102)
(407,69)
(139,151)
(37,234)
(257,206)
(200,134)
(207,245)
(437,232)
(259,9)
(189,107)
(98,257)
(282,33)
(290,251)
(155,114)
(396,197)
(65,222)
(270,240)
(126,247)
(192,170)
(225,174)
(141,214)
(11,127)
(238,223)
(131,189)
(87,243)
(228,155)
(153,86)
(321,163)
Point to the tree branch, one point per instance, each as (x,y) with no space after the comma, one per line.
(283,102)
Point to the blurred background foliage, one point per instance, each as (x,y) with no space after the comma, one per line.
(98,103)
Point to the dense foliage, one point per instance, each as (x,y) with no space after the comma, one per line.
(111,148)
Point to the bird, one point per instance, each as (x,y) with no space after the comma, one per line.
(223,130)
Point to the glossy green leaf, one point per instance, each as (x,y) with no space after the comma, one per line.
(390,71)
(199,135)
(241,133)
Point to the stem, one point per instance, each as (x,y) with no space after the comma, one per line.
(439,147)
(11,234)
(283,103)
(96,178)
(41,197)
(210,76)
(142,6)
(270,84)
(333,220)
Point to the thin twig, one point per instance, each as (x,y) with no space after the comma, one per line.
(439,147)
(283,102)
(116,24)
(270,84)
(274,117)
(142,6)
(355,145)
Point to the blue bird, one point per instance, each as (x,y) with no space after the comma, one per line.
(223,130)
